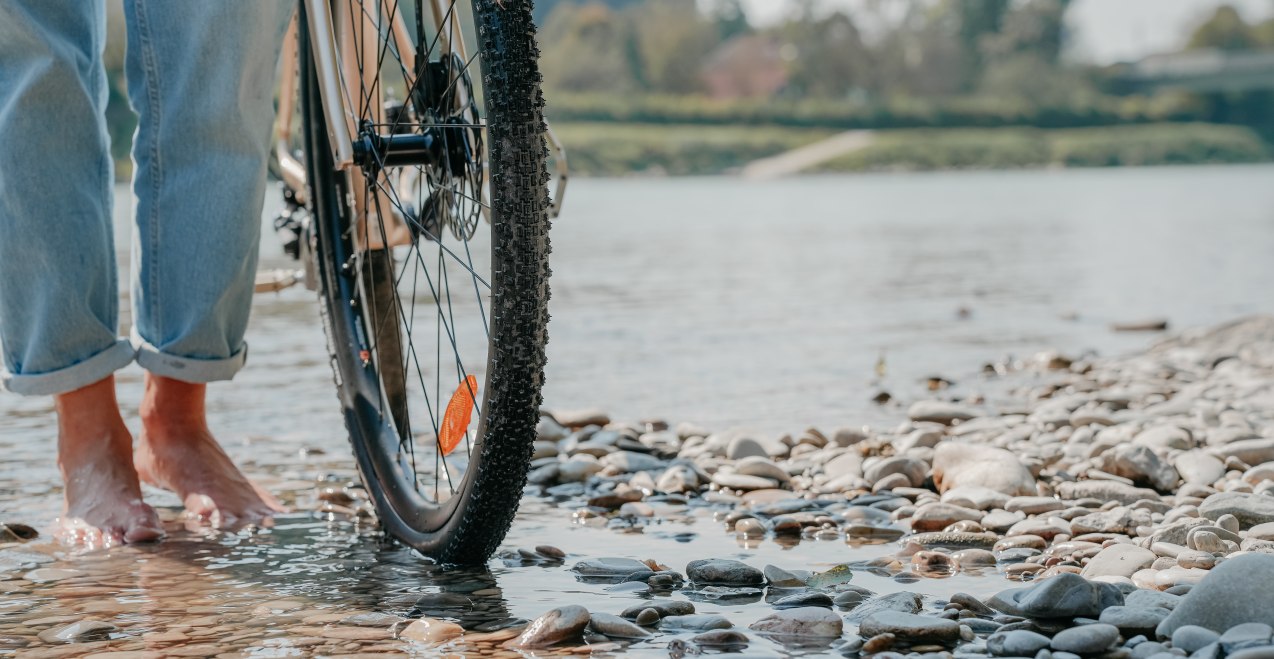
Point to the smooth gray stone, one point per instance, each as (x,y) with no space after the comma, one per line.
(1263,652)
(1142,598)
(697,622)
(609,567)
(1132,621)
(1017,643)
(911,627)
(851,597)
(615,626)
(724,572)
(721,637)
(903,602)
(1148,649)
(981,625)
(811,598)
(1066,595)
(1246,635)
(1250,509)
(1239,590)
(1209,651)
(1192,638)
(1086,640)
(664,608)
(809,621)
(555,626)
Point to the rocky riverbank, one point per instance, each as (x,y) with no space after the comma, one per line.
(1119,508)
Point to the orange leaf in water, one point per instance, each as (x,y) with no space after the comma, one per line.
(455,423)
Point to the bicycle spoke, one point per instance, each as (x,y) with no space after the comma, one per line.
(429,201)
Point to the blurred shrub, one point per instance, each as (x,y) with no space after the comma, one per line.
(1157,144)
(609,149)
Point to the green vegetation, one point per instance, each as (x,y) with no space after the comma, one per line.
(605,149)
(943,112)
(1158,144)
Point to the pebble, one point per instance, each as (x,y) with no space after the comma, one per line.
(47,574)
(1192,638)
(1016,643)
(879,643)
(695,622)
(806,599)
(1237,591)
(911,627)
(1122,560)
(1086,640)
(608,567)
(647,617)
(1246,635)
(957,464)
(723,572)
(942,412)
(555,626)
(802,621)
(1134,621)
(1066,595)
(79,632)
(1248,509)
(661,607)
(722,638)
(615,626)
(431,630)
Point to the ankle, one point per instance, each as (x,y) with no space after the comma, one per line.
(170,405)
(90,428)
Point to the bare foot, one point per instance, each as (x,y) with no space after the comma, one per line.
(103,501)
(177,452)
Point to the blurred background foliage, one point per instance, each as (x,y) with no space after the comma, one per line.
(685,87)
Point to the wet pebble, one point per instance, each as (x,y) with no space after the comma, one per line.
(615,626)
(911,627)
(555,626)
(810,598)
(695,622)
(802,621)
(719,571)
(431,630)
(79,632)
(721,638)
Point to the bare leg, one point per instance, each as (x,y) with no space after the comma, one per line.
(177,452)
(103,501)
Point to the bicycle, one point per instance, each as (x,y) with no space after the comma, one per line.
(407,168)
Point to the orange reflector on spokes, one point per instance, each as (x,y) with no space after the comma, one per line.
(455,423)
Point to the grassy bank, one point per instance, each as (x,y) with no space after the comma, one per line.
(1003,148)
(615,149)
(838,114)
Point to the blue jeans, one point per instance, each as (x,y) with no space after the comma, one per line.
(201,76)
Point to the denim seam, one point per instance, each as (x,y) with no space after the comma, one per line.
(151,70)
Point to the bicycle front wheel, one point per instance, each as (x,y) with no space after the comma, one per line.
(431,254)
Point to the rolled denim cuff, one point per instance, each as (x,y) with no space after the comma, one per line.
(187,369)
(76,376)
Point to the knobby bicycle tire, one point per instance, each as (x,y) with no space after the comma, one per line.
(469,526)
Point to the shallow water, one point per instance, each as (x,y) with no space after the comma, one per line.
(718,301)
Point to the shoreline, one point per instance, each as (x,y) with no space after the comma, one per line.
(1116,507)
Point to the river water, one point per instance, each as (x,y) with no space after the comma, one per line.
(729,303)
